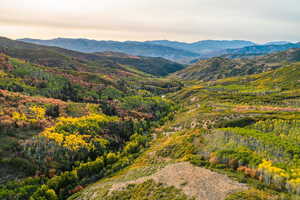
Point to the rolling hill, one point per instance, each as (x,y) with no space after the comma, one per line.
(67,59)
(151,65)
(222,67)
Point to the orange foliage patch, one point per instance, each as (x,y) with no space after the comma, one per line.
(76,189)
(4,63)
(248,171)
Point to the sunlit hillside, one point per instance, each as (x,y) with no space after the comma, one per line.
(149,100)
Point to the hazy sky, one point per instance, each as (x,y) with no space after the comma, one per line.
(185,20)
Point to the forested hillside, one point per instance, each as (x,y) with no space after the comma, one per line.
(151,65)
(95,126)
(245,127)
(58,124)
(72,60)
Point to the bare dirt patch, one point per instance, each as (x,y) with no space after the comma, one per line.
(197,182)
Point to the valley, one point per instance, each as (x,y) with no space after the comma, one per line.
(108,125)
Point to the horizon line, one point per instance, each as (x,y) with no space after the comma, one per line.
(170,40)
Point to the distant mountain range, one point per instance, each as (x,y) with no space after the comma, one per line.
(128,47)
(181,52)
(277,43)
(205,46)
(177,51)
(259,50)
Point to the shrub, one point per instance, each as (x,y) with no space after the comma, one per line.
(44,193)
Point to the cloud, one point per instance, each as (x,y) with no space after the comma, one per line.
(258,20)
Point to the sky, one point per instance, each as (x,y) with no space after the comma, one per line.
(182,20)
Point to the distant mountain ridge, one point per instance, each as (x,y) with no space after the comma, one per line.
(128,47)
(177,51)
(204,46)
(259,50)
(278,43)
(181,52)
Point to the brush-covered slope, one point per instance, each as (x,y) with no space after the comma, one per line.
(67,59)
(151,65)
(50,147)
(251,127)
(88,133)
(76,85)
(128,47)
(56,125)
(102,138)
(222,67)
(246,128)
